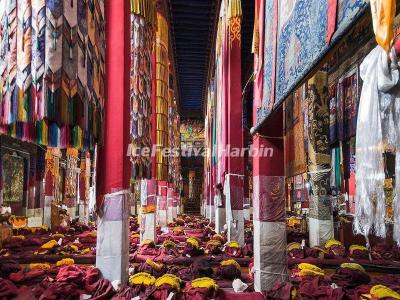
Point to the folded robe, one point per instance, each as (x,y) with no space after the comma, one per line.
(102,290)
(70,273)
(392,281)
(193,293)
(160,293)
(213,249)
(12,243)
(359,254)
(348,278)
(148,249)
(7,289)
(28,277)
(8,267)
(91,276)
(247,249)
(318,289)
(229,272)
(31,241)
(60,290)
(129,293)
(147,268)
(336,251)
(382,251)
(296,253)
(233,252)
(191,250)
(281,291)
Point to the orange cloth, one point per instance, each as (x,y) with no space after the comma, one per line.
(383,14)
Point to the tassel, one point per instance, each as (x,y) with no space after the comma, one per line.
(13,130)
(396,201)
(54,135)
(144,8)
(19,130)
(50,105)
(55,36)
(70,45)
(74,136)
(71,119)
(234,9)
(25,132)
(72,152)
(45,133)
(63,137)
(39,132)
(14,104)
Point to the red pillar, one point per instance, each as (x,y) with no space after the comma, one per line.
(114,164)
(270,261)
(234,179)
(114,169)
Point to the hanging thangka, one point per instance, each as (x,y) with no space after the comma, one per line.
(46,49)
(295,154)
(343,103)
(142,36)
(71,172)
(53,156)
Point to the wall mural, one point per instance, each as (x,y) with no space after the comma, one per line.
(13,178)
(192,130)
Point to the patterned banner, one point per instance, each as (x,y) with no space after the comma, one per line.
(140,86)
(52,56)
(162,74)
(318,146)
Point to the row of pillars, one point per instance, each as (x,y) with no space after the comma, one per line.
(160,205)
(270,261)
(159,202)
(269,198)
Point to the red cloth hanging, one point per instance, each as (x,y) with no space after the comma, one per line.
(332,13)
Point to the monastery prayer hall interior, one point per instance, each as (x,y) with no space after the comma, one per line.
(199,149)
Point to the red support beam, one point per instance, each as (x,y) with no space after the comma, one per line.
(114,164)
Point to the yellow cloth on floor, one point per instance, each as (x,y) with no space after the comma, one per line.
(65,262)
(142,278)
(169,279)
(381,292)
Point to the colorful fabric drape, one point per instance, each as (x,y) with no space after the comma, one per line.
(71,173)
(171,141)
(333,111)
(38,57)
(343,102)
(52,173)
(318,147)
(258,50)
(383,13)
(141,86)
(174,138)
(24,46)
(295,153)
(8,60)
(332,14)
(52,71)
(162,72)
